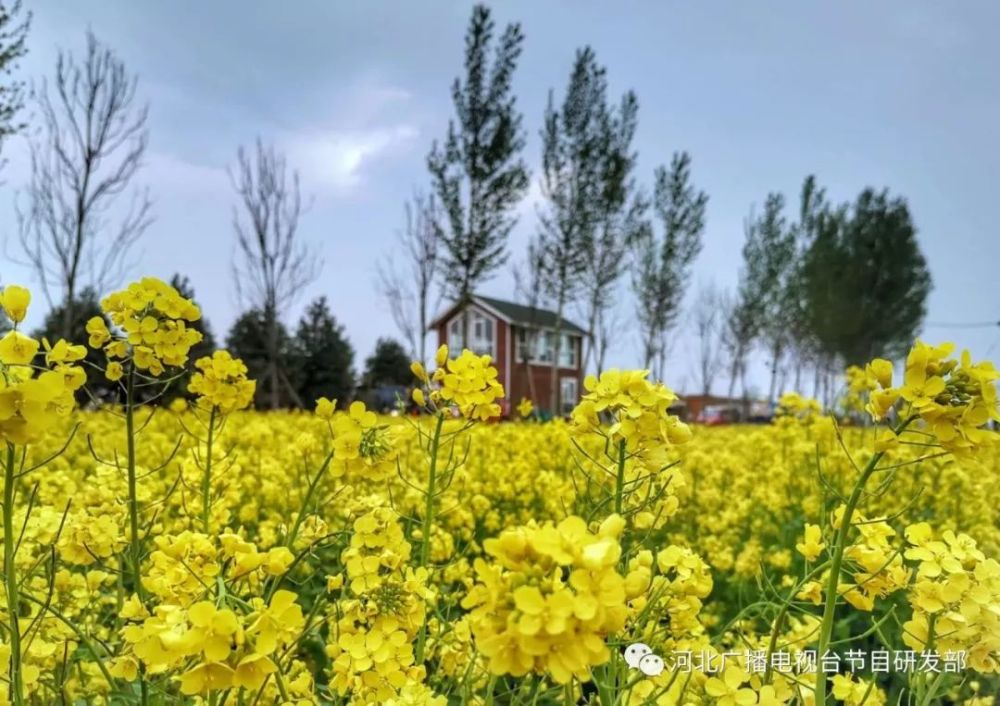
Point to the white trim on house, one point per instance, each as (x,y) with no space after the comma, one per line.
(478,310)
(570,400)
(573,339)
(496,313)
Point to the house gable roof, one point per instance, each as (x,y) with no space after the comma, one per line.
(517,314)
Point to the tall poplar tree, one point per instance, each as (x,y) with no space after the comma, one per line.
(574,141)
(663,265)
(478,174)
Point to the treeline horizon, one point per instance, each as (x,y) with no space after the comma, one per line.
(821,286)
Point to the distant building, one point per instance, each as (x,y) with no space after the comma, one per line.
(712,409)
(502,329)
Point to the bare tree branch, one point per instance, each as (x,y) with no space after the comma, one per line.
(271,265)
(408,291)
(89,149)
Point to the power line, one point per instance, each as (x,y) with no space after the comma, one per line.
(949,324)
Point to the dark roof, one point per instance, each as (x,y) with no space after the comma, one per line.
(518,314)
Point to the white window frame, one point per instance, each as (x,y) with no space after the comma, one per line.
(541,355)
(486,342)
(568,402)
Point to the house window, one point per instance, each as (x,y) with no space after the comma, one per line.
(568,394)
(521,351)
(567,351)
(482,333)
(545,348)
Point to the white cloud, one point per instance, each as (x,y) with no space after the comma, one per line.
(338,158)
(167,171)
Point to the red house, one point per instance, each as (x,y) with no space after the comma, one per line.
(503,330)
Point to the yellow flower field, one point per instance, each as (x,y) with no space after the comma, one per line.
(194,553)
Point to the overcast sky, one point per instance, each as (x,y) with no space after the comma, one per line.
(898,94)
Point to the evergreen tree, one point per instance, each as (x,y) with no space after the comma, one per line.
(388,365)
(867,280)
(478,174)
(323,359)
(249,339)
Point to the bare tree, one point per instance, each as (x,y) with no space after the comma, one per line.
(13,33)
(408,291)
(708,316)
(608,325)
(91,144)
(272,265)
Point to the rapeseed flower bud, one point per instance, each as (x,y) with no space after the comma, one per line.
(15,300)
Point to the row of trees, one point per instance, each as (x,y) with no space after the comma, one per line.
(829,285)
(833,285)
(80,214)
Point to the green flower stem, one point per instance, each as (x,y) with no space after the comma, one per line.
(837,560)
(135,545)
(10,579)
(307,501)
(206,479)
(425,531)
(620,479)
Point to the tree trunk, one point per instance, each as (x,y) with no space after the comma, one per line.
(555,393)
(526,355)
(775,356)
(272,356)
(422,334)
(593,316)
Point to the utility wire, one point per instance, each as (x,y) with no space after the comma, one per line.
(978,324)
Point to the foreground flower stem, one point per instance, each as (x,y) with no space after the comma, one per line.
(620,478)
(425,531)
(135,549)
(10,579)
(206,479)
(836,562)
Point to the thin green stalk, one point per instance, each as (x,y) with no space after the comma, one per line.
(425,535)
(425,532)
(135,548)
(206,479)
(837,560)
(620,479)
(10,578)
(307,500)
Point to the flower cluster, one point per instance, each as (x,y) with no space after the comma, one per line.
(33,397)
(549,598)
(952,398)
(638,411)
(468,383)
(377,618)
(362,443)
(228,649)
(955,597)
(221,382)
(150,328)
